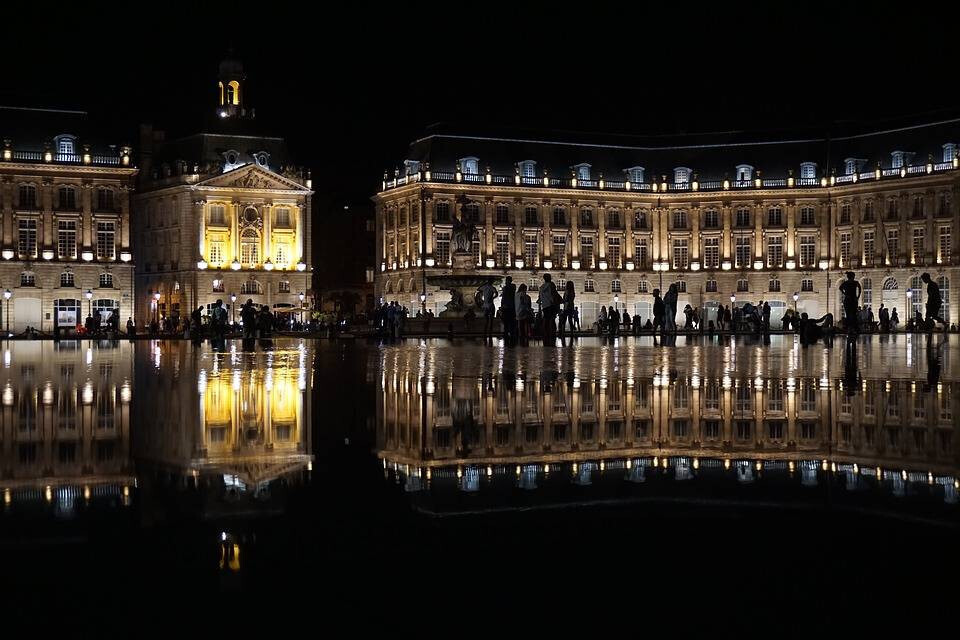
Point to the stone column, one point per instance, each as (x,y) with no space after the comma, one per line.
(574,231)
(427,214)
(791,239)
(727,240)
(489,209)
(601,248)
(124,217)
(267,213)
(200,220)
(695,233)
(86,196)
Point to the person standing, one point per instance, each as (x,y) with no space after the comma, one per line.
(934,303)
(508,309)
(884,315)
(549,302)
(524,311)
(569,311)
(626,321)
(131,328)
(894,320)
(658,311)
(602,319)
(576,316)
(766,317)
(487,294)
(248,316)
(850,291)
(670,308)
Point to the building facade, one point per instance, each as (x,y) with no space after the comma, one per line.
(598,215)
(221,214)
(65,202)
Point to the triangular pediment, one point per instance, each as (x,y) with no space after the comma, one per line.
(252,177)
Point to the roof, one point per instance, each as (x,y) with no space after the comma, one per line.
(712,155)
(30,129)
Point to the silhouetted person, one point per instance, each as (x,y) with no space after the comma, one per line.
(658,311)
(508,309)
(934,303)
(850,291)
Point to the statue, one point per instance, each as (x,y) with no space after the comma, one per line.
(456,304)
(464,230)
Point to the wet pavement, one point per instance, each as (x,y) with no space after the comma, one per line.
(362,478)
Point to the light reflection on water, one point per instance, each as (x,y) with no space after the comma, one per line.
(877,415)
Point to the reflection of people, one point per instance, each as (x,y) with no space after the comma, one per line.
(850,290)
(934,303)
(933,365)
(508,309)
(851,372)
(487,293)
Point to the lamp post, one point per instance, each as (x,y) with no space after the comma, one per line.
(796,296)
(156,306)
(733,303)
(909,304)
(423,303)
(233,308)
(302,297)
(7,294)
(89,296)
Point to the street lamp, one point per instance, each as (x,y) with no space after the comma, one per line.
(6,296)
(301,296)
(156,306)
(89,295)
(796,296)
(233,308)
(733,299)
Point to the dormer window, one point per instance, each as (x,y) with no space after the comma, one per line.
(470,165)
(635,174)
(411,167)
(852,165)
(231,160)
(681,175)
(582,171)
(744,172)
(949,152)
(66,144)
(262,159)
(808,170)
(896,159)
(528,168)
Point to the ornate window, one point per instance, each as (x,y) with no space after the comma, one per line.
(27,237)
(502,214)
(28,279)
(743,217)
(66,279)
(743,252)
(251,287)
(643,286)
(67,198)
(711,286)
(775,251)
(867,291)
(283,218)
(105,199)
(807,216)
(711,253)
(680,253)
(806,284)
(613,252)
(442,247)
(67,239)
(284,286)
(774,284)
(216,252)
(502,249)
(106,280)
(640,252)
(586,251)
(27,196)
(530,216)
(528,168)
(589,286)
(711,219)
(106,241)
(743,285)
(615,286)
(559,216)
(679,219)
(217,285)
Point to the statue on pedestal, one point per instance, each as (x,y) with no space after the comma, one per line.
(464,231)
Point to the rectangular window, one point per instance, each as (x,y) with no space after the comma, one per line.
(711,219)
(808,250)
(105,199)
(743,252)
(807,216)
(283,217)
(586,218)
(531,250)
(868,247)
(711,286)
(613,252)
(893,243)
(475,248)
(27,239)
(67,239)
(892,208)
(442,248)
(680,254)
(503,214)
(743,217)
(640,219)
(613,219)
(282,258)
(918,207)
(679,219)
(945,244)
(711,253)
(844,249)
(845,214)
(106,244)
(559,216)
(775,217)
(559,251)
(806,285)
(589,286)
(640,252)
(28,196)
(68,198)
(216,253)
(530,216)
(218,215)
(943,205)
(918,243)
(868,211)
(775,251)
(586,252)
(503,249)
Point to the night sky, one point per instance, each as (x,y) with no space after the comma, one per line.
(350,92)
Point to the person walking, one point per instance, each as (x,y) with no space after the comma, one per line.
(508,309)
(569,310)
(894,320)
(850,291)
(576,317)
(934,304)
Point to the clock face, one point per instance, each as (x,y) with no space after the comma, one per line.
(251,215)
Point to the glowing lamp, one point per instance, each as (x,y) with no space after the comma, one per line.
(824,264)
(796,296)
(301,297)
(694,266)
(629,265)
(626,185)
(518,263)
(89,295)
(791,264)
(268,266)
(235,265)
(726,185)
(48,254)
(758,264)
(87,256)
(48,157)
(201,264)
(430,262)
(725,265)
(603,265)
(575,264)
(301,266)
(126,256)
(87,158)
(490,263)
(733,299)
(548,264)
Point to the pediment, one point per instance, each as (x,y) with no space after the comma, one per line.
(252,177)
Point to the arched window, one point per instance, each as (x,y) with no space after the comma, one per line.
(66,146)
(744,172)
(251,287)
(249,247)
(806,284)
(808,170)
(774,284)
(233,92)
(681,175)
(28,279)
(106,279)
(283,286)
(635,174)
(890,284)
(582,171)
(528,168)
(711,286)
(400,287)
(66,279)
(67,198)
(389,287)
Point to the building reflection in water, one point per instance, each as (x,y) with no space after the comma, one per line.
(231,423)
(65,426)
(445,428)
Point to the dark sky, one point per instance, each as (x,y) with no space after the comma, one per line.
(349,92)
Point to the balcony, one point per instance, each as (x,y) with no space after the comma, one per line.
(49,157)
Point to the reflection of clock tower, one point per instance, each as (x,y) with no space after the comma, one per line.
(221,214)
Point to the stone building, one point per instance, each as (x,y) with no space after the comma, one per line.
(65,206)
(730,218)
(221,213)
